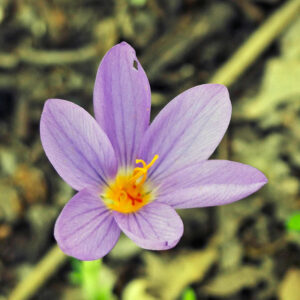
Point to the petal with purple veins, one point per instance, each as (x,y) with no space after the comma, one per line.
(155,227)
(122,101)
(85,229)
(187,130)
(75,144)
(210,183)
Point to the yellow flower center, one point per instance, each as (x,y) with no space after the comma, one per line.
(129,192)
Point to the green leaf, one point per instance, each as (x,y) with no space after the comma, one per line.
(189,294)
(294,222)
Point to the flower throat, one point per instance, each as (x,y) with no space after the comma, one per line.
(129,193)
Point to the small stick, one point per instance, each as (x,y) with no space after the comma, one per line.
(189,31)
(49,58)
(41,272)
(250,50)
(256,44)
(250,9)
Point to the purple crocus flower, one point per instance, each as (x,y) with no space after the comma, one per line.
(130,176)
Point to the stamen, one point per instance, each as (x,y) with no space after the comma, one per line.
(142,172)
(128,193)
(152,161)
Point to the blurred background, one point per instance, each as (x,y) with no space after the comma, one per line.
(246,250)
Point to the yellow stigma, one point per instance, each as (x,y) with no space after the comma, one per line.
(128,193)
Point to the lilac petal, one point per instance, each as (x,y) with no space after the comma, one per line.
(86,229)
(210,183)
(122,101)
(187,130)
(155,227)
(75,144)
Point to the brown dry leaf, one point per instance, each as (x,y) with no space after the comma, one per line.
(290,286)
(137,290)
(5,231)
(31,182)
(230,283)
(280,85)
(168,275)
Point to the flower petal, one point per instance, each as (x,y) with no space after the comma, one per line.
(85,229)
(75,144)
(122,101)
(187,130)
(155,227)
(210,183)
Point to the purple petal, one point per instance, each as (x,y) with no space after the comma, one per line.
(156,226)
(75,144)
(122,101)
(85,229)
(210,183)
(187,130)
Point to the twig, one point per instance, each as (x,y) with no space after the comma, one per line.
(21,122)
(40,274)
(256,44)
(48,58)
(172,46)
(250,50)
(250,10)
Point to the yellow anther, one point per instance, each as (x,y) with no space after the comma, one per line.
(152,161)
(138,161)
(141,172)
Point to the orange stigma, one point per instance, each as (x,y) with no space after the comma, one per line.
(129,193)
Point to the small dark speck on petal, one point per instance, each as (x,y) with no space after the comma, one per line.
(135,64)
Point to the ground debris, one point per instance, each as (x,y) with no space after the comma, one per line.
(167,276)
(230,283)
(289,288)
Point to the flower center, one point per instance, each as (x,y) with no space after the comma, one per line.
(129,192)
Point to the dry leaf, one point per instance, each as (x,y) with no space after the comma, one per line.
(168,275)
(290,286)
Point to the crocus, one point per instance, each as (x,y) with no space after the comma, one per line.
(131,176)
